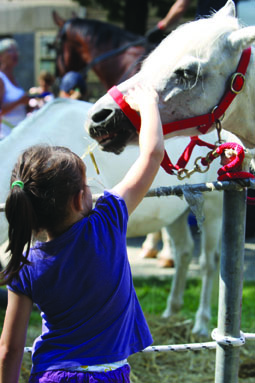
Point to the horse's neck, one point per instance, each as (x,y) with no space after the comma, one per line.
(118,68)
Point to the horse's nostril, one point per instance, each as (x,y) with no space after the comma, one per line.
(101,116)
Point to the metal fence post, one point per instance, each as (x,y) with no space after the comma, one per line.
(230,284)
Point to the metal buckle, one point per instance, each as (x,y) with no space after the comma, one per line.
(221,117)
(234,76)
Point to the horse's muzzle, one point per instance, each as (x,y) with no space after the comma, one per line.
(111,129)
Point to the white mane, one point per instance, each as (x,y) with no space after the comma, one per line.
(186,40)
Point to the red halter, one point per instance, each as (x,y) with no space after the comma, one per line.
(203,122)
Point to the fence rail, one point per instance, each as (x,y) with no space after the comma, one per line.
(179,190)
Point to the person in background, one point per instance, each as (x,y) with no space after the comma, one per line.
(177,10)
(13,99)
(73,86)
(174,14)
(43,93)
(80,278)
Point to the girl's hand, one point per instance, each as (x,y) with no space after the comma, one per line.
(141,96)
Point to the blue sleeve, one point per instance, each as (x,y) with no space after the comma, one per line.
(112,208)
(21,283)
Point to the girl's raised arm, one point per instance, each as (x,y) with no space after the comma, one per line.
(140,176)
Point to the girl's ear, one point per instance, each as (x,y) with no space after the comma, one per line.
(78,200)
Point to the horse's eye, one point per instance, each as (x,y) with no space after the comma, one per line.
(185,74)
(185,77)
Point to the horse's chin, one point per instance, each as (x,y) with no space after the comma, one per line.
(116,142)
(113,133)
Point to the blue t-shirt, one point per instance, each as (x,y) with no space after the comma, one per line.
(82,284)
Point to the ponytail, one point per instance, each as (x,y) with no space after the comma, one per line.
(22,222)
(42,183)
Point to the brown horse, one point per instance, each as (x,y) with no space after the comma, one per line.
(114,54)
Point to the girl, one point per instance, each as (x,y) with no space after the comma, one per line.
(80,277)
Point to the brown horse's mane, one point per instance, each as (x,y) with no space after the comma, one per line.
(83,44)
(99,32)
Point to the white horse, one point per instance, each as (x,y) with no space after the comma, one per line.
(61,122)
(191,70)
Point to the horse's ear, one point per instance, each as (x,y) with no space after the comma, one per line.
(242,38)
(57,19)
(229,9)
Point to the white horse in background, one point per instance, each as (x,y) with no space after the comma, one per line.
(191,70)
(61,122)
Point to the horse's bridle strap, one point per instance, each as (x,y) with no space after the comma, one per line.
(131,114)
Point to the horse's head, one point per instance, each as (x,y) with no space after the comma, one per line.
(68,44)
(190,70)
(83,44)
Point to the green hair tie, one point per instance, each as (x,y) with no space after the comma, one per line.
(20,184)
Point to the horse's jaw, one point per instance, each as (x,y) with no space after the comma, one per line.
(110,128)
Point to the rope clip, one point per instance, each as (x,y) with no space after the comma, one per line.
(218,127)
(185,173)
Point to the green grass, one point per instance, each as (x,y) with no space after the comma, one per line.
(152,294)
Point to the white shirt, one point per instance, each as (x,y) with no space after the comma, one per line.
(12,93)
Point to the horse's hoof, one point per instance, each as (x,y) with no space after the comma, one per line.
(165,314)
(149,253)
(166,263)
(200,332)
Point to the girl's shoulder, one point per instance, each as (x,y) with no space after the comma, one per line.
(111,208)
(113,201)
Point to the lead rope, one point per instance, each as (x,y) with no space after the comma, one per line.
(232,155)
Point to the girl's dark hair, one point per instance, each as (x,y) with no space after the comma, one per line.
(51,176)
